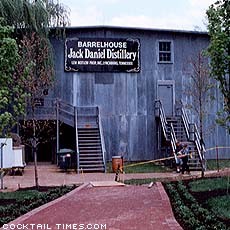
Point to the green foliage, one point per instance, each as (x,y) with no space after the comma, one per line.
(209,184)
(212,164)
(38,67)
(140,181)
(220,205)
(219,51)
(19,195)
(25,203)
(12,96)
(192,215)
(36,16)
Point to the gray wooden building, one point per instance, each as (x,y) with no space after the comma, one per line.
(120,73)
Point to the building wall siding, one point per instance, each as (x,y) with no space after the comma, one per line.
(126,100)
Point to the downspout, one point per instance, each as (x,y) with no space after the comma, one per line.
(76,133)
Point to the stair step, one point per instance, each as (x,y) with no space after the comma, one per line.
(90,163)
(89,143)
(84,141)
(91,158)
(88,129)
(92,170)
(93,137)
(90,150)
(90,166)
(90,154)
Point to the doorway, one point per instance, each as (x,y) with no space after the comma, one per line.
(166,93)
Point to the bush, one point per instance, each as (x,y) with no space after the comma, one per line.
(11,212)
(190,214)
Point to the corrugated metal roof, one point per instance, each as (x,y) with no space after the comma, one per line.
(137,29)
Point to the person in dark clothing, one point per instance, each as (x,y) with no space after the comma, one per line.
(178,159)
(184,158)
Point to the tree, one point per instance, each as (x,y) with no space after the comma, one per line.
(34,15)
(218,16)
(39,80)
(31,20)
(199,88)
(12,94)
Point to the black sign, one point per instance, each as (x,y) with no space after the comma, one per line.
(102,55)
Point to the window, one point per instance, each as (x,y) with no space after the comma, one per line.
(165,52)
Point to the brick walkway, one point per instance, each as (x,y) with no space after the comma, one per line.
(88,207)
(112,208)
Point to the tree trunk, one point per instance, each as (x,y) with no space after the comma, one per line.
(34,144)
(35,168)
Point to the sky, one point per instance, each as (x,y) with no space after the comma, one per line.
(158,14)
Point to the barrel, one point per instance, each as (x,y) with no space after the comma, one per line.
(117,161)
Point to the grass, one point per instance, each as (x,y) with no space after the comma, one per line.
(220,206)
(140,181)
(209,184)
(141,167)
(153,167)
(207,208)
(212,164)
(18,195)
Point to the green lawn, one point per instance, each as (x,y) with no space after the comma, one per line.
(209,184)
(146,167)
(220,205)
(18,195)
(141,167)
(140,181)
(213,164)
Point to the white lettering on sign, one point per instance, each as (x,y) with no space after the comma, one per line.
(75,54)
(93,44)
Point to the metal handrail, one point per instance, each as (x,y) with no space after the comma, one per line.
(199,144)
(167,128)
(101,137)
(162,118)
(173,140)
(185,120)
(197,139)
